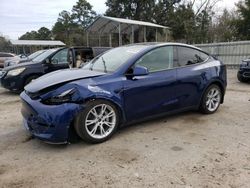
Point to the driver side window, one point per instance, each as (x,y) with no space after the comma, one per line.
(158,59)
(60,57)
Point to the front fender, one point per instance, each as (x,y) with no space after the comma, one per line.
(115,98)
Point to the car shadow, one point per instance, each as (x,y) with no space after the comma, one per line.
(162,119)
(189,116)
(193,117)
(8,92)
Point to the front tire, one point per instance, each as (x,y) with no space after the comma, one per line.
(98,122)
(211,99)
(241,78)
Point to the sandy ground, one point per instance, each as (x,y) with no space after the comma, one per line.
(184,150)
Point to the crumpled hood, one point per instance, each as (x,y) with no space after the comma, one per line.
(58,77)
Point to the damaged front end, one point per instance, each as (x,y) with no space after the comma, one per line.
(49,115)
(52,102)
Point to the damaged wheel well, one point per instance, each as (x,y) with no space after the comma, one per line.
(72,135)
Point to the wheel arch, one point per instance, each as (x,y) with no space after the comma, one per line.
(219,84)
(72,135)
(115,103)
(30,75)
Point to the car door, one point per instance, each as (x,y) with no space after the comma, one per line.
(58,61)
(153,93)
(192,75)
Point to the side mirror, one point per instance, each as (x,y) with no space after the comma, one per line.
(140,71)
(47,61)
(23,56)
(137,71)
(54,61)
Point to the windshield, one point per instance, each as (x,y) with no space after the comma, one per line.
(44,55)
(35,54)
(113,59)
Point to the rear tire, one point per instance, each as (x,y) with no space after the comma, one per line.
(211,99)
(98,122)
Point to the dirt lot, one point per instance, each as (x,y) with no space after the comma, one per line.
(184,150)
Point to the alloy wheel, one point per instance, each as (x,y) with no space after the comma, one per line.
(100,121)
(213,99)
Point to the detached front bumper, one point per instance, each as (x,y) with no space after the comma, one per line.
(49,123)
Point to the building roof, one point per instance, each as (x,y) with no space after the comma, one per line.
(37,43)
(105,24)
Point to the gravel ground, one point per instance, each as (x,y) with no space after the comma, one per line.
(183,150)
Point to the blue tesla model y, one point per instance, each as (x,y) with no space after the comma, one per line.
(123,85)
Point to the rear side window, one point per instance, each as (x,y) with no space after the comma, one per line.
(189,56)
(158,59)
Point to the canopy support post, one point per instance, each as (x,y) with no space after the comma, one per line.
(120,39)
(145,33)
(87,39)
(110,40)
(156,35)
(99,38)
(132,35)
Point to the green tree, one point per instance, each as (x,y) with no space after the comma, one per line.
(70,26)
(42,34)
(68,31)
(63,27)
(243,22)
(180,18)
(131,9)
(224,29)
(32,35)
(4,44)
(82,13)
(141,10)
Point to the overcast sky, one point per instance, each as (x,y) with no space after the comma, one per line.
(20,16)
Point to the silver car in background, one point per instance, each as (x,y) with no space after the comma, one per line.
(22,59)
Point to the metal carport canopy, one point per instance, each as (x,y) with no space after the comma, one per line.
(37,43)
(108,25)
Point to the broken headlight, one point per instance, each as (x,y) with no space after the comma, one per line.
(64,97)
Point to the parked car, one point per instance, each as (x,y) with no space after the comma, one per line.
(22,58)
(17,76)
(123,85)
(244,71)
(4,56)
